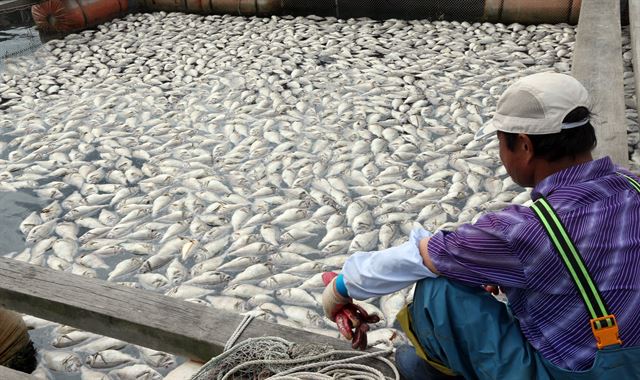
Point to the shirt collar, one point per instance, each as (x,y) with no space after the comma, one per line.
(572,175)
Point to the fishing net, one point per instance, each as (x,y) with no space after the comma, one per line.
(18,41)
(278,359)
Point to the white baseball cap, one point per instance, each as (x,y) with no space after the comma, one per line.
(536,105)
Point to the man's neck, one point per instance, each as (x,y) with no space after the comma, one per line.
(546,168)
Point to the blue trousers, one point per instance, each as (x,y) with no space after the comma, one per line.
(473,334)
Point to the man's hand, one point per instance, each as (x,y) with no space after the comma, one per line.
(351,319)
(493,289)
(332,301)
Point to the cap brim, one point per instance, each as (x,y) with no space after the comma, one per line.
(487,130)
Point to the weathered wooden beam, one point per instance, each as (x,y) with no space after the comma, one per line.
(10,374)
(597,63)
(634,29)
(134,315)
(137,316)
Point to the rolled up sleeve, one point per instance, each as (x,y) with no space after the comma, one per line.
(479,253)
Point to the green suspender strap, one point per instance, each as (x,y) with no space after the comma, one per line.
(601,320)
(603,323)
(632,181)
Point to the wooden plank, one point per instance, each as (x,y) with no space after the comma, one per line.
(10,374)
(634,29)
(137,316)
(597,63)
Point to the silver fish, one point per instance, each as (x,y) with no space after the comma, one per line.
(61,361)
(108,358)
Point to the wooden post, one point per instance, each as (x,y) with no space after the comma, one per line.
(634,26)
(597,63)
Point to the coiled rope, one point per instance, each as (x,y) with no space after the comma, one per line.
(275,358)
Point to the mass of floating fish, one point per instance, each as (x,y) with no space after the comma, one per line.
(229,161)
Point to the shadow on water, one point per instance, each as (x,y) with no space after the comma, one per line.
(16,206)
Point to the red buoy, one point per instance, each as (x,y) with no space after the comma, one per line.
(71,15)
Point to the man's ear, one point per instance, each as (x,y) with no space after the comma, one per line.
(526,146)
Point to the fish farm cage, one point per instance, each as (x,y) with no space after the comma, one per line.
(34,22)
(190,329)
(62,16)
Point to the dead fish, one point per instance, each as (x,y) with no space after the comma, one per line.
(210,278)
(152,281)
(124,267)
(187,291)
(89,374)
(253,272)
(281,280)
(176,272)
(157,358)
(154,262)
(72,338)
(65,248)
(62,361)
(338,233)
(67,230)
(270,233)
(135,372)
(30,222)
(244,290)
(228,303)
(51,212)
(40,231)
(208,265)
(366,241)
(81,270)
(253,249)
(303,315)
(101,344)
(108,359)
(293,296)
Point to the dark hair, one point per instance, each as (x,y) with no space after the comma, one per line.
(568,142)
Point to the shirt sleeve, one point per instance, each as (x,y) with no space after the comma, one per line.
(372,274)
(480,253)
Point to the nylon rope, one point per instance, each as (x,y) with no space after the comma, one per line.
(238,331)
(319,366)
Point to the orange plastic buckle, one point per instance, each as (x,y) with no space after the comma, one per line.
(605,335)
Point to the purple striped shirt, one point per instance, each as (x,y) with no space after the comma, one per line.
(601,212)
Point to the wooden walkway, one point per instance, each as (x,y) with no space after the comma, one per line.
(597,63)
(634,25)
(8,6)
(137,316)
(9,374)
